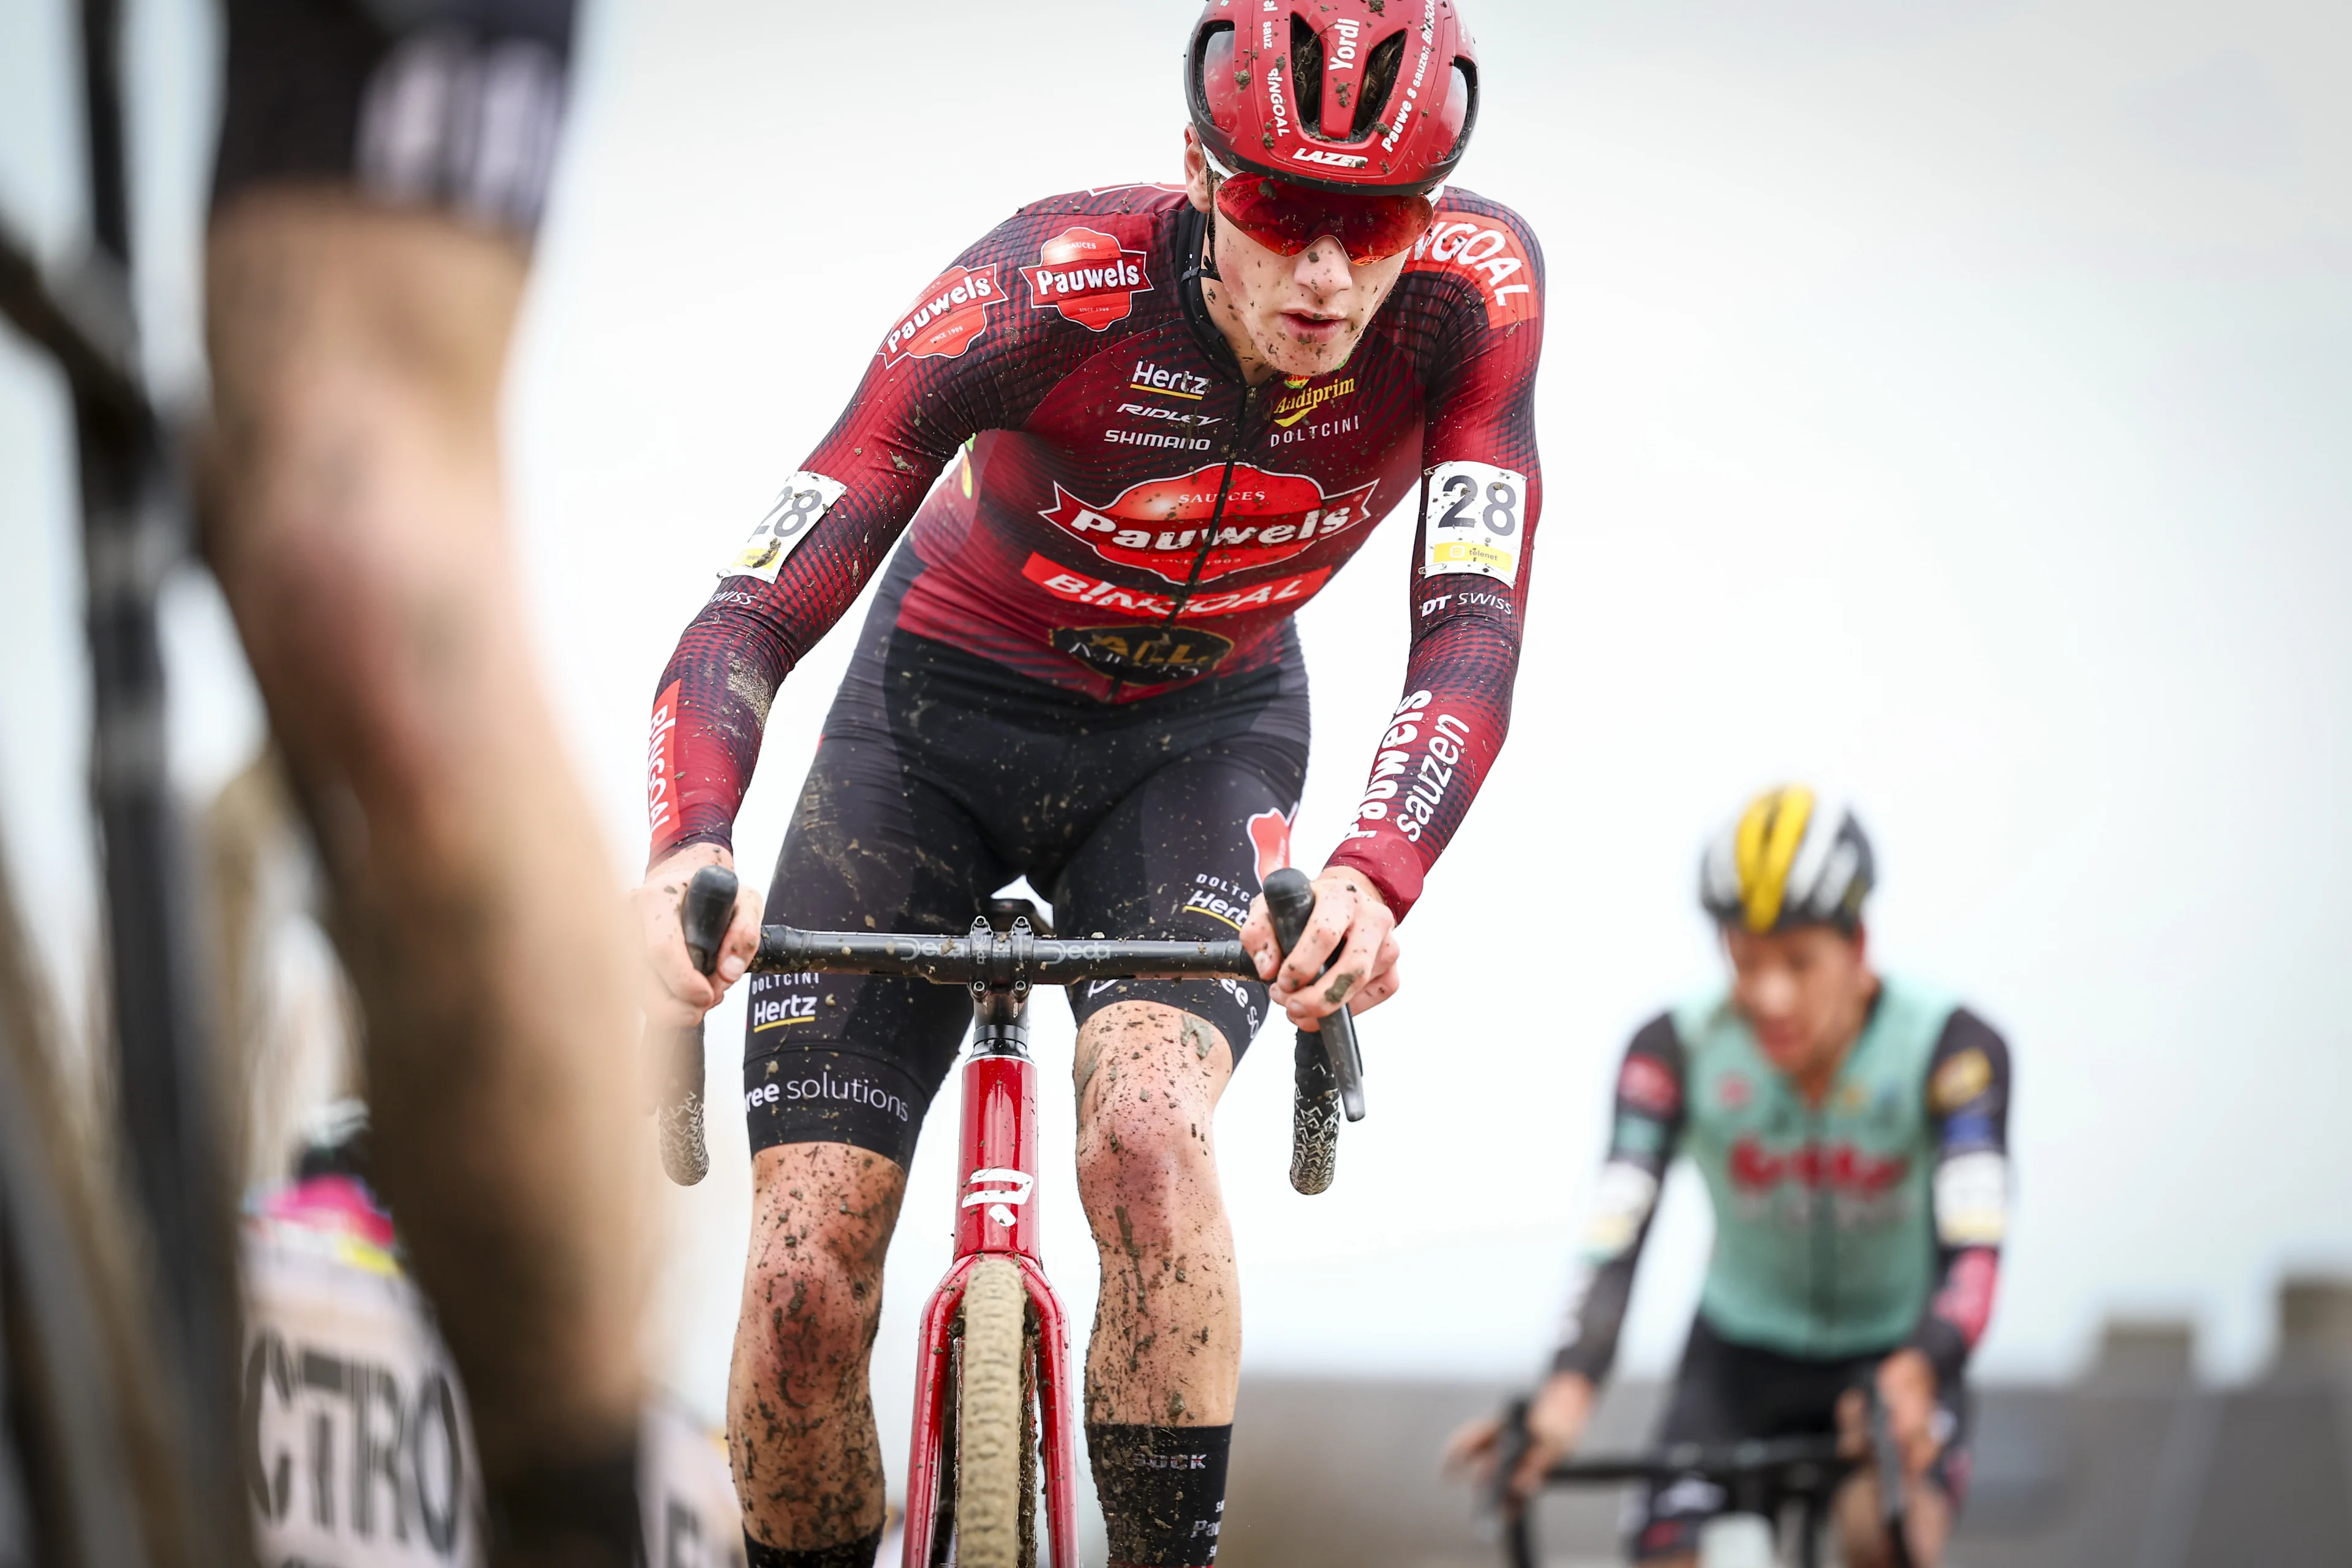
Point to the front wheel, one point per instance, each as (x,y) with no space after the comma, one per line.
(991,1524)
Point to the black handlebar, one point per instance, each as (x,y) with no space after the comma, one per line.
(1812,1467)
(1785,1459)
(1329,1069)
(997,958)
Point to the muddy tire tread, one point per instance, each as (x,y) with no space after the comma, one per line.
(992,1427)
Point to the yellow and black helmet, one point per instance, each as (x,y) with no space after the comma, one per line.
(1791,858)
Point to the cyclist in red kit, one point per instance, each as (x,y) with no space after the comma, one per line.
(1133,430)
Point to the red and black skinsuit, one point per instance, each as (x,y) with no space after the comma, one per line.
(1081,666)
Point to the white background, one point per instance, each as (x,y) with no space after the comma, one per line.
(1943,401)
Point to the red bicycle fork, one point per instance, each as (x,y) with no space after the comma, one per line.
(996,1213)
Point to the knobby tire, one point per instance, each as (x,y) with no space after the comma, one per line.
(993,1429)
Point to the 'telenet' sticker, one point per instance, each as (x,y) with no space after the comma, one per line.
(1472,521)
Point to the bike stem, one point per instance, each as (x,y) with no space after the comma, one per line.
(998,1154)
(996,1213)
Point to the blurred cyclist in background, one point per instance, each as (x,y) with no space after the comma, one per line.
(359,1442)
(1158,418)
(1851,1129)
(381,171)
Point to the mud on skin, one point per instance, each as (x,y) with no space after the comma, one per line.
(1167,1341)
(807,1461)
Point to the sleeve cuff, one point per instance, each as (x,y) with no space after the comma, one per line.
(661,852)
(1395,870)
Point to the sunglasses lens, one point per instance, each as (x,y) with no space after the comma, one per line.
(1287,219)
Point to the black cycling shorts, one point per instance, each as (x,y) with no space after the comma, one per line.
(452,104)
(943,776)
(1727,1392)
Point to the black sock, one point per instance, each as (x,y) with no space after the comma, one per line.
(853,1554)
(1162,1491)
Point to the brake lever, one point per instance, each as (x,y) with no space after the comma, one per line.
(1510,1448)
(1290,903)
(703,915)
(1888,1457)
(1512,1520)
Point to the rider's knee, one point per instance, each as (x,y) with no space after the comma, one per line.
(1144,1151)
(818,1242)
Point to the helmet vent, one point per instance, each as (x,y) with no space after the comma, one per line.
(1307,77)
(1379,83)
(1212,55)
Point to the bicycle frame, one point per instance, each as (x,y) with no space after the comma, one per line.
(996,1212)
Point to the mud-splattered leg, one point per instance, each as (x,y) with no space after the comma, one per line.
(800,1416)
(1166,1353)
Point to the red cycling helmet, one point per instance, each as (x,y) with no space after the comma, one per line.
(1373,97)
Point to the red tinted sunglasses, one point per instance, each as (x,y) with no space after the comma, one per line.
(1287,218)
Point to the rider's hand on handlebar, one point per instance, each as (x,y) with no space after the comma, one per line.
(1556,1421)
(673,992)
(1351,919)
(1906,1387)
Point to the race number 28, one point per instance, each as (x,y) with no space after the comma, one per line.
(805,500)
(1474,518)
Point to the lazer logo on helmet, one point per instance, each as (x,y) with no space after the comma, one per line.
(1161,526)
(948,316)
(1334,160)
(1087,277)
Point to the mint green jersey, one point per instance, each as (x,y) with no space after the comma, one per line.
(1842,1228)
(1823,1242)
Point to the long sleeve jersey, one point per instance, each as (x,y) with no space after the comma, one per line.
(1100,501)
(1868,1222)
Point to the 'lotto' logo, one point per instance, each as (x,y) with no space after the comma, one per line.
(1087,277)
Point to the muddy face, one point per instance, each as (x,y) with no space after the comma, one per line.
(1296,316)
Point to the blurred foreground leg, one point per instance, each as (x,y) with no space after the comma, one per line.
(357,522)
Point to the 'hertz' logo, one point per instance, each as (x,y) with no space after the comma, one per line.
(1290,410)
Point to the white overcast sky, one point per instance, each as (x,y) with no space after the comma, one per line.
(1945,401)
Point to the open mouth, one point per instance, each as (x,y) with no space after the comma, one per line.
(1310,328)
